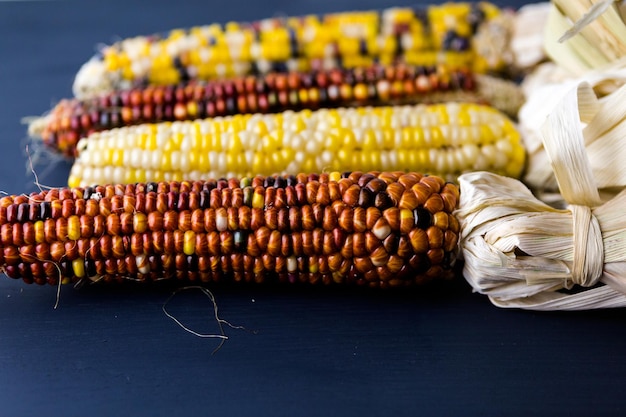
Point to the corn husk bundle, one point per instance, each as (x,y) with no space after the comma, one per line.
(571,254)
(522,252)
(586,42)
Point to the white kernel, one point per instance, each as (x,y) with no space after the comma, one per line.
(185,145)
(480,162)
(103,175)
(327,158)
(249,156)
(145,159)
(98,177)
(489,152)
(134,158)
(221,220)
(504,146)
(384,161)
(175,160)
(470,152)
(185,165)
(311,147)
(213,159)
(392,155)
(86,174)
(292,264)
(451,163)
(118,175)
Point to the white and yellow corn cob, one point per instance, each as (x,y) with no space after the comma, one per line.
(444,139)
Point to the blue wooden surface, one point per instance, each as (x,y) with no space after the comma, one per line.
(112,351)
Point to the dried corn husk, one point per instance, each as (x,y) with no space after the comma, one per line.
(524,253)
(603,138)
(582,35)
(528,35)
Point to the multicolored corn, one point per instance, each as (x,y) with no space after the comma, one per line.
(73,119)
(442,139)
(378,229)
(457,34)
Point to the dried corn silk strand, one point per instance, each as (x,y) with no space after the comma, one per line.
(522,252)
(382,229)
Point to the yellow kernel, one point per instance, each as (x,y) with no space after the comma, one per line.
(166,161)
(140,222)
(189,242)
(258,201)
(40,237)
(73,181)
(117,157)
(79,267)
(178,176)
(334,176)
(73,227)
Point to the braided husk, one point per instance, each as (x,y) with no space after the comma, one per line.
(524,253)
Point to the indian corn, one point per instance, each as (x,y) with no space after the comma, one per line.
(444,139)
(72,119)
(379,229)
(422,36)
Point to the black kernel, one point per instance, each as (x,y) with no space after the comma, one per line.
(291,180)
(383,201)
(192,262)
(88,192)
(280,182)
(22,212)
(269,182)
(366,198)
(422,217)
(205,199)
(365,179)
(45,210)
(90,267)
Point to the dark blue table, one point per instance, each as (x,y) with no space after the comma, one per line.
(306,352)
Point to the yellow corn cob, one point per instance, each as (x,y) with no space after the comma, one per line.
(423,36)
(373,229)
(443,139)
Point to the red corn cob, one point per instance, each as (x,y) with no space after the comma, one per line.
(385,229)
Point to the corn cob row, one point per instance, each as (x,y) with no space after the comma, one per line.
(434,35)
(444,139)
(73,119)
(384,229)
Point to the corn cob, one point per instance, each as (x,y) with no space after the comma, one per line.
(444,139)
(73,119)
(384,229)
(423,36)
